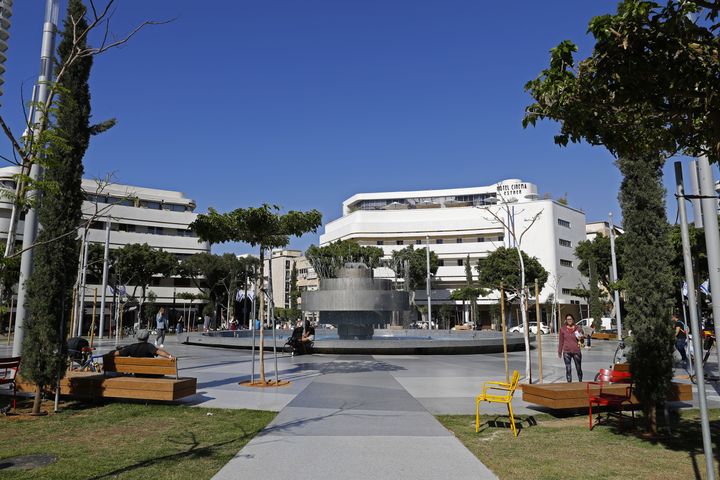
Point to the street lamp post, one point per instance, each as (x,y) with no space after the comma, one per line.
(427,282)
(618,314)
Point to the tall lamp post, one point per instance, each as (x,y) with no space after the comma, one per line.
(47,51)
(618,314)
(427,281)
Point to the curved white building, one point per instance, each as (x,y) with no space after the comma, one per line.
(459,223)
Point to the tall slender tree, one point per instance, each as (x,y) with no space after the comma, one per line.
(50,285)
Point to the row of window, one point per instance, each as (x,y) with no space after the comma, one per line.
(136,202)
(566,263)
(440,241)
(565,243)
(152,230)
(563,223)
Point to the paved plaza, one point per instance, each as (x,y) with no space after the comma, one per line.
(363,416)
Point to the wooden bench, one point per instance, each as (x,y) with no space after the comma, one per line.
(116,381)
(559,396)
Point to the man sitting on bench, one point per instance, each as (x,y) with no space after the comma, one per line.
(142,348)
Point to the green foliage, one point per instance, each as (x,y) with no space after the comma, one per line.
(596,308)
(417,262)
(258,226)
(598,251)
(49,287)
(326,260)
(650,83)
(503,267)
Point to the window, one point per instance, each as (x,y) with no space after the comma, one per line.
(126,227)
(563,223)
(459,240)
(500,238)
(151,205)
(156,230)
(566,263)
(438,241)
(460,262)
(481,239)
(418,242)
(287,264)
(398,242)
(441,263)
(567,291)
(379,242)
(565,243)
(175,208)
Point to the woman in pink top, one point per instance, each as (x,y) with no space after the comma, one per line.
(569,348)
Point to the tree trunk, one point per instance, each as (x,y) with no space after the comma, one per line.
(523,314)
(261,314)
(38,399)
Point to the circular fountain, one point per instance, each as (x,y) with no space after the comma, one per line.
(354,302)
(359,307)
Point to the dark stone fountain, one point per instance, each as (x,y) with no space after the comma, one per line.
(354,302)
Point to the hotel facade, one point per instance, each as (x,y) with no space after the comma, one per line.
(463,223)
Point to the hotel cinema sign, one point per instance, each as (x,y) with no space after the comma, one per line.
(516,189)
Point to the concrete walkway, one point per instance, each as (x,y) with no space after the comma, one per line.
(355,421)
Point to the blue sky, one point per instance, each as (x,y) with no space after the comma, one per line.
(303,104)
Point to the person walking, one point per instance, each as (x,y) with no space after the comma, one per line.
(680,335)
(161,324)
(569,341)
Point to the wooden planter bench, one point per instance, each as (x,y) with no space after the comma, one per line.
(559,396)
(161,383)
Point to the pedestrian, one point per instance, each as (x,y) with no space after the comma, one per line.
(588,331)
(680,335)
(569,341)
(206,323)
(161,324)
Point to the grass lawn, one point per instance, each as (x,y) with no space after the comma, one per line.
(556,448)
(121,440)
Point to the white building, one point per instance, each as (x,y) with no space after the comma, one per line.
(461,222)
(159,218)
(282,263)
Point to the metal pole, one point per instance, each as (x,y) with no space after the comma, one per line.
(106,257)
(697,344)
(31,219)
(271,313)
(695,190)
(428,287)
(92,324)
(81,310)
(12,298)
(504,333)
(539,332)
(712,240)
(618,314)
(252,319)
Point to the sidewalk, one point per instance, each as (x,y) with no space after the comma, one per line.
(354,422)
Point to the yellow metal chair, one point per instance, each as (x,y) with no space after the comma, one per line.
(506,398)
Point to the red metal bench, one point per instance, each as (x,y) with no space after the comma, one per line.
(8,368)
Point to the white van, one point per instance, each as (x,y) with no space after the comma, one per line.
(607,323)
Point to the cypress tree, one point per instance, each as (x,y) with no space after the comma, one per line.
(50,285)
(648,276)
